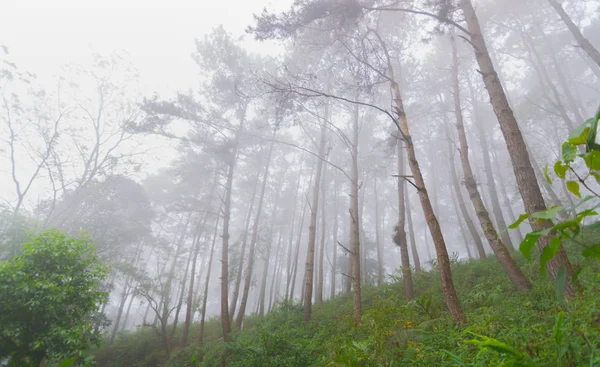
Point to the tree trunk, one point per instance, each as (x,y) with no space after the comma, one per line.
(207,281)
(312,229)
(434,227)
(355,222)
(585,44)
(225,323)
(334,244)
(462,206)
(238,277)
(400,233)
(526,180)
(491,183)
(459,223)
(250,267)
(378,243)
(508,263)
(190,296)
(411,233)
(507,204)
(319,290)
(292,280)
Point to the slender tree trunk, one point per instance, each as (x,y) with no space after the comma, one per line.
(526,180)
(334,244)
(263,285)
(585,44)
(292,283)
(276,272)
(463,233)
(491,183)
(462,206)
(207,281)
(411,233)
(400,233)
(546,81)
(182,291)
(319,290)
(508,263)
(124,296)
(250,267)
(378,235)
(312,229)
(190,296)
(355,222)
(127,313)
(238,277)
(225,323)
(443,259)
(291,239)
(507,204)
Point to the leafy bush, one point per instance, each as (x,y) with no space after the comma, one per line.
(50,294)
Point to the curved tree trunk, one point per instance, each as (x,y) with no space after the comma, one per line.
(526,180)
(443,259)
(500,250)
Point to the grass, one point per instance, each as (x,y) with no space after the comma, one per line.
(505,328)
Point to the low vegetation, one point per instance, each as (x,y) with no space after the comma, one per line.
(505,327)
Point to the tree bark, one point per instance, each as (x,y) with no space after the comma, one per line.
(238,277)
(443,260)
(526,180)
(334,244)
(411,233)
(319,290)
(462,206)
(400,233)
(312,229)
(253,240)
(355,222)
(207,281)
(378,243)
(585,44)
(498,246)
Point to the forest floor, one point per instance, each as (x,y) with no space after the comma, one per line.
(504,328)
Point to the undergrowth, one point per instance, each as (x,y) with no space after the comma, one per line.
(505,328)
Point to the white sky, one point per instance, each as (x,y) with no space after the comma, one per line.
(158,35)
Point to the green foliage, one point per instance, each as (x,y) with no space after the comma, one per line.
(582,140)
(49,296)
(505,327)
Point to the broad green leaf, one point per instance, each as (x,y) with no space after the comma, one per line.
(569,152)
(548,253)
(592,159)
(548,213)
(516,224)
(592,251)
(560,169)
(570,224)
(546,176)
(559,284)
(528,243)
(67,362)
(580,134)
(558,335)
(573,187)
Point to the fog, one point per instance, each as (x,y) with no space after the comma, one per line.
(223,158)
